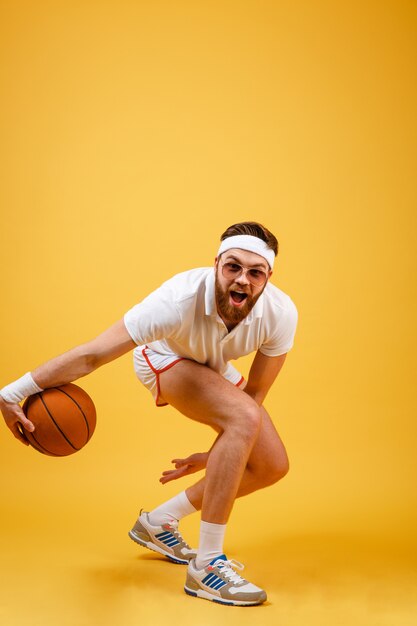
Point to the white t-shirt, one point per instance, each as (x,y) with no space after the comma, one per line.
(180,319)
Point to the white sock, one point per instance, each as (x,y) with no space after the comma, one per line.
(211,543)
(172,511)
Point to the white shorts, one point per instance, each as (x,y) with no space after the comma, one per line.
(149,365)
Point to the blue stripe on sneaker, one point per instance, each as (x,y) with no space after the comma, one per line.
(171,542)
(223,557)
(168,539)
(208,578)
(163,535)
(213,583)
(219,585)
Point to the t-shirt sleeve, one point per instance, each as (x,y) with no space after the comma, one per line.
(156,317)
(282,340)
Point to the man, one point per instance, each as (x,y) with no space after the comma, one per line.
(184,334)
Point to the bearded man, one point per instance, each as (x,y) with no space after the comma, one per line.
(184,336)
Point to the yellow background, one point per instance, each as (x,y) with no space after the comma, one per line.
(132,135)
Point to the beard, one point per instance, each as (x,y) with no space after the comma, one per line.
(230,313)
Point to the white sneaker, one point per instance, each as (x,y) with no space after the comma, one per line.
(219,582)
(165,539)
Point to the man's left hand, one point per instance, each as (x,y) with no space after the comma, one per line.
(184,467)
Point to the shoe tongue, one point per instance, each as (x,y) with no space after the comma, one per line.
(222,557)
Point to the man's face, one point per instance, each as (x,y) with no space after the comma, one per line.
(236,295)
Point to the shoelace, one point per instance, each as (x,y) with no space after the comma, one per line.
(226,568)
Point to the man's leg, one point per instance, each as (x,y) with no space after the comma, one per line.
(203,395)
(267,464)
(207,397)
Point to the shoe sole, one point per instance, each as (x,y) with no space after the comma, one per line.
(200,593)
(155,548)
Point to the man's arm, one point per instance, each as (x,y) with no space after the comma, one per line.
(78,362)
(262,374)
(84,359)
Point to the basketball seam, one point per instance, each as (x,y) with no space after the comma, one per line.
(35,443)
(61,431)
(40,448)
(82,412)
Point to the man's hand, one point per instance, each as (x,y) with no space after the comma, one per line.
(13,416)
(184,467)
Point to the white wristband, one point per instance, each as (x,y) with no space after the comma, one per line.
(20,389)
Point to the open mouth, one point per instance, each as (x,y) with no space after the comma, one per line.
(238,297)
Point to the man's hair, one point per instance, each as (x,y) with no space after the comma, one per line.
(254,229)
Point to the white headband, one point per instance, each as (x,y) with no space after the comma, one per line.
(251,244)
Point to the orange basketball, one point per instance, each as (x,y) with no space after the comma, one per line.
(64,419)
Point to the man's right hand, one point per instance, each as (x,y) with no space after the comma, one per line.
(13,416)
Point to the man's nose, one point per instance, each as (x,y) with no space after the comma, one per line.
(243,279)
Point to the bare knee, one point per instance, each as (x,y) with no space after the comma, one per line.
(272,470)
(246,423)
(278,468)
